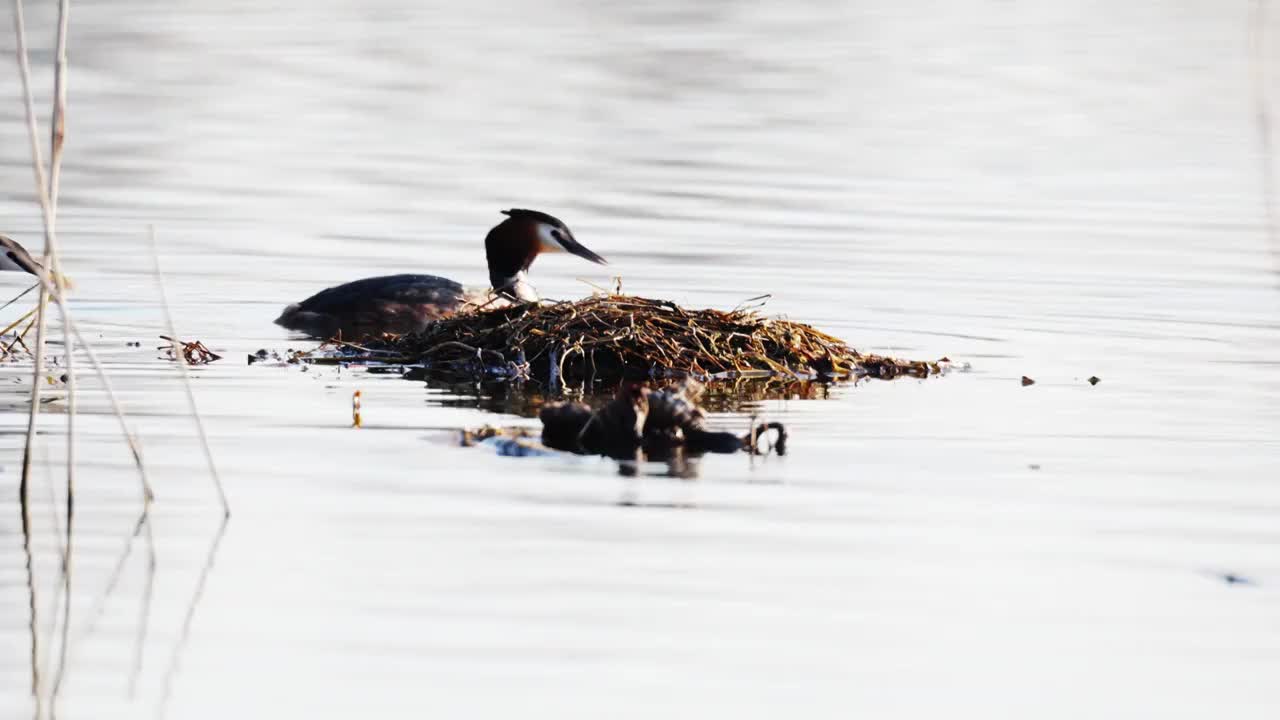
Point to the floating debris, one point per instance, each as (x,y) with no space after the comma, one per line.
(509,442)
(614,337)
(7,351)
(1027,381)
(1095,380)
(194,352)
(469,438)
(617,429)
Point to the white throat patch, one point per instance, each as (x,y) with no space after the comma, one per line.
(547,238)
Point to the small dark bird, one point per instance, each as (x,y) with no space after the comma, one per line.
(562,423)
(672,411)
(406,303)
(616,429)
(656,420)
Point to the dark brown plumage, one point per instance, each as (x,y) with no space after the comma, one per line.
(616,429)
(673,410)
(401,304)
(659,421)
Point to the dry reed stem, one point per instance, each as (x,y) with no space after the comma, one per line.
(181,359)
(20,320)
(57,135)
(47,194)
(33,626)
(24,71)
(1260,66)
(17,339)
(47,189)
(53,285)
(19,296)
(144,609)
(95,614)
(185,633)
(99,607)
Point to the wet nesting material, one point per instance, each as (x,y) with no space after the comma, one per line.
(193,352)
(613,337)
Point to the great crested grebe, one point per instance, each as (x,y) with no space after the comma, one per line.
(406,303)
(15,258)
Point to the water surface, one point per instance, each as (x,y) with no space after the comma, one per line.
(1040,189)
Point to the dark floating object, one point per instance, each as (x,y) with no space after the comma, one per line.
(611,338)
(615,429)
(1095,380)
(1233,579)
(1027,381)
(510,442)
(655,421)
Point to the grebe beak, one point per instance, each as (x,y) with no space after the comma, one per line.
(563,241)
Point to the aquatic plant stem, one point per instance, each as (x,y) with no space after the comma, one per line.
(18,297)
(51,280)
(47,194)
(57,135)
(181,359)
(1259,64)
(171,670)
(26,316)
(24,71)
(17,340)
(144,611)
(33,623)
(90,619)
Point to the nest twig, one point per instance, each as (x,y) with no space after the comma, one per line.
(193,352)
(611,337)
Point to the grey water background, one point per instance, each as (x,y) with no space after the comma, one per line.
(1039,188)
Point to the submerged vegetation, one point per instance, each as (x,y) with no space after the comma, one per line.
(614,337)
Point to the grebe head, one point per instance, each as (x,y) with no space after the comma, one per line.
(14,257)
(513,245)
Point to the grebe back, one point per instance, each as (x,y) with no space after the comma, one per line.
(407,303)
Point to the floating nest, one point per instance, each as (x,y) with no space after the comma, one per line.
(609,338)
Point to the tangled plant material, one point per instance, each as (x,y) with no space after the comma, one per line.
(614,337)
(194,352)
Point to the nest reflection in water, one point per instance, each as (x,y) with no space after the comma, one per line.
(574,363)
(524,399)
